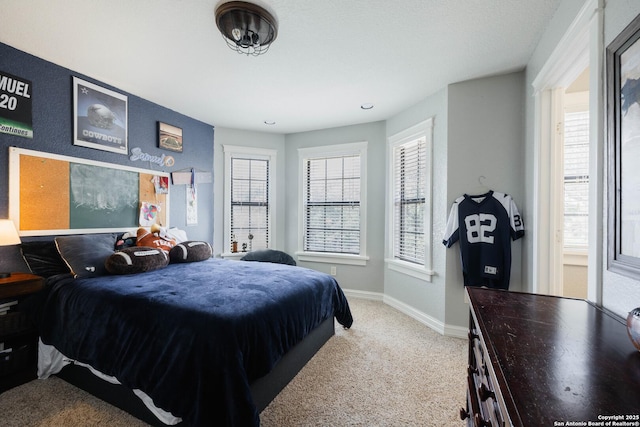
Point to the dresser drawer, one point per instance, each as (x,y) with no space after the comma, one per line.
(483,396)
(15,322)
(17,358)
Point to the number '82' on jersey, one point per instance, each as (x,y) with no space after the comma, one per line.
(485,226)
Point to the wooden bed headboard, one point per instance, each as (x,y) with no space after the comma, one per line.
(53,194)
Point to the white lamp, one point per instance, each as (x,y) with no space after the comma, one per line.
(8,237)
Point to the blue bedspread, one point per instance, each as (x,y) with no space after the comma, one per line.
(192,336)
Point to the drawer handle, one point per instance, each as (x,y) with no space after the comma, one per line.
(479,422)
(485,393)
(471,370)
(473,336)
(464,414)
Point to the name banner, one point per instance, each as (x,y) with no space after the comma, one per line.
(15,106)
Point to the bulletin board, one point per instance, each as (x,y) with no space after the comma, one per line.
(50,194)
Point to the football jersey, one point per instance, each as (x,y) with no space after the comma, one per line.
(485,226)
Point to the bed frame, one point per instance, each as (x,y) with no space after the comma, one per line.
(263,390)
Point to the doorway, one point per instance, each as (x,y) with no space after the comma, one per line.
(580,49)
(573,186)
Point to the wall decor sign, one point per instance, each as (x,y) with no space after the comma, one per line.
(169,137)
(99,117)
(162,160)
(15,106)
(623,129)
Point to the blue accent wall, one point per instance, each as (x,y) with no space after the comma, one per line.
(52,104)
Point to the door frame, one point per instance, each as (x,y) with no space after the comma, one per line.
(581,47)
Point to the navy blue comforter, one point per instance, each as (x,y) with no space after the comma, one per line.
(191,336)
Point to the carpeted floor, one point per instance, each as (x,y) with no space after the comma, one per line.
(387,370)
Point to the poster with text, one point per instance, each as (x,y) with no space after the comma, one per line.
(15,106)
(99,117)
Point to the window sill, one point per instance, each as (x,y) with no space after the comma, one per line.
(233,255)
(575,257)
(413,270)
(330,258)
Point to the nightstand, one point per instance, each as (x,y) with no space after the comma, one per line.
(18,334)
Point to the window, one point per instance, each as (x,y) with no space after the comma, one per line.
(409,201)
(248,198)
(576,180)
(333,203)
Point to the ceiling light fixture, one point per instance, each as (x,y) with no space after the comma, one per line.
(247,28)
(367,106)
(269,122)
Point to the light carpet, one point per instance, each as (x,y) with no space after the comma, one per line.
(387,370)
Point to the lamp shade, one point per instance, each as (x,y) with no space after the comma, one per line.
(8,233)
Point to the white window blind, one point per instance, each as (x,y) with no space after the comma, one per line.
(410,172)
(250,203)
(332,204)
(576,179)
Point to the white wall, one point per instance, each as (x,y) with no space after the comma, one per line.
(619,293)
(370,277)
(226,136)
(485,138)
(426,297)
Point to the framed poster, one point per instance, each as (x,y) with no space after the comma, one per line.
(623,128)
(99,117)
(169,137)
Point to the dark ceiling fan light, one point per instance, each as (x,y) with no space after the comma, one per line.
(247,28)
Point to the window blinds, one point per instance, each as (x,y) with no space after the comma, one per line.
(250,202)
(576,179)
(409,163)
(332,205)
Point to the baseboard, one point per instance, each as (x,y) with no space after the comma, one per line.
(425,319)
(372,296)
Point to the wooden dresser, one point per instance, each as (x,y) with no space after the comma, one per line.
(18,335)
(539,360)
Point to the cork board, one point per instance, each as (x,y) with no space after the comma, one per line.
(53,194)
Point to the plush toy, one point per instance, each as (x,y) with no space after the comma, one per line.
(136,260)
(127,240)
(158,239)
(190,251)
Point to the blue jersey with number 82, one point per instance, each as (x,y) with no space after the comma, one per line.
(485,226)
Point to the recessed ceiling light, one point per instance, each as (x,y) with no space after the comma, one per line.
(367,106)
(269,122)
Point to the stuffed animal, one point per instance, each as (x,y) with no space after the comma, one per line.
(158,239)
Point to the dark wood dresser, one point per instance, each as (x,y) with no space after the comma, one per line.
(18,335)
(538,360)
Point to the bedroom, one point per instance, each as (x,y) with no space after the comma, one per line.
(456,105)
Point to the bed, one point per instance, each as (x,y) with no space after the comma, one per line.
(208,342)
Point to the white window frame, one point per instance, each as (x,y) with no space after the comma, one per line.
(349,149)
(422,272)
(231,151)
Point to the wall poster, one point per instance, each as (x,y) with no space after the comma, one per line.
(99,117)
(15,106)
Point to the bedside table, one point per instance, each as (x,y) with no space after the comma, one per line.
(18,334)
